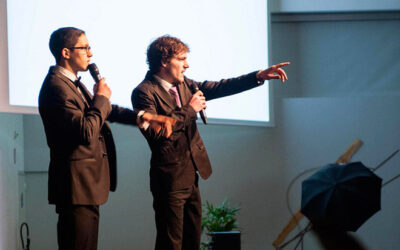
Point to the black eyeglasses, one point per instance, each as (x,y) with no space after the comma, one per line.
(84,48)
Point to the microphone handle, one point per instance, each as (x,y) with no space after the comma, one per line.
(203,116)
(202,112)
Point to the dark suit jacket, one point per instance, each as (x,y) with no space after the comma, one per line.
(82,166)
(172,167)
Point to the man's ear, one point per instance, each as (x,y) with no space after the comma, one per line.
(65,53)
(163,63)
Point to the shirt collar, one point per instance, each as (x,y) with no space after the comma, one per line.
(68,74)
(166,85)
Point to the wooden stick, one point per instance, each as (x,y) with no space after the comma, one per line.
(350,151)
(288,228)
(344,158)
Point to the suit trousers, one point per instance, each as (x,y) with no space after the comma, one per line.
(77,227)
(178,219)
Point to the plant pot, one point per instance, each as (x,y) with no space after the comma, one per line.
(228,240)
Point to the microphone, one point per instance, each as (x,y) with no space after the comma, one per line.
(202,112)
(94,71)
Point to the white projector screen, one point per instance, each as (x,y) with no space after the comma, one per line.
(227,38)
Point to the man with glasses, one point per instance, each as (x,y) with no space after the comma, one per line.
(82,167)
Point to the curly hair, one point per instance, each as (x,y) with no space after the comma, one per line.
(162,50)
(63,38)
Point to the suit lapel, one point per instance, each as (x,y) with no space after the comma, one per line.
(72,86)
(163,94)
(183,93)
(86,93)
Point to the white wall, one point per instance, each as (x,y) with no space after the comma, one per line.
(329,6)
(11,212)
(325,129)
(3,54)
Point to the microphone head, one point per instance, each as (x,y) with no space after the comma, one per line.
(194,88)
(94,71)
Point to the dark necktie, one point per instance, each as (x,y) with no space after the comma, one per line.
(173,90)
(82,90)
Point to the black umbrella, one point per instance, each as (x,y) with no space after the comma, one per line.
(341,196)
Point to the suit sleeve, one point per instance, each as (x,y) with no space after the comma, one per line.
(143,99)
(227,87)
(122,115)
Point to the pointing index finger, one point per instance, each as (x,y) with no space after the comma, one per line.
(279,65)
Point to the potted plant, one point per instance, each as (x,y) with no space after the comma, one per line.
(220,223)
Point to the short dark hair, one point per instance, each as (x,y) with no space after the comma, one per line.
(63,38)
(162,50)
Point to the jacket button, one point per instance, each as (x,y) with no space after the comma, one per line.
(104,155)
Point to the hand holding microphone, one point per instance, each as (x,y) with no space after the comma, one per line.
(198,102)
(101,87)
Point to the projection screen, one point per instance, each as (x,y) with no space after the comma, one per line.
(227,38)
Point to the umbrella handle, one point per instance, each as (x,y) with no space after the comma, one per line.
(350,151)
(288,228)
